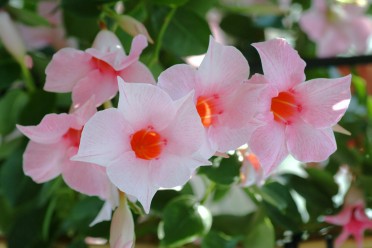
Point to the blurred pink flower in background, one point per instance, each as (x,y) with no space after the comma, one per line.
(95,71)
(251,172)
(53,142)
(55,36)
(149,142)
(294,117)
(336,28)
(352,218)
(219,96)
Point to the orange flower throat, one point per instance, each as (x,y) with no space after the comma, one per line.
(147,144)
(207,110)
(284,106)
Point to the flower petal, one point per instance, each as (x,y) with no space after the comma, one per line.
(342,238)
(51,128)
(107,42)
(223,66)
(314,24)
(138,44)
(85,112)
(269,145)
(145,105)
(308,144)
(86,178)
(105,136)
(324,101)
(102,85)
(281,64)
(333,42)
(179,80)
(43,162)
(132,175)
(67,67)
(137,72)
(227,139)
(122,227)
(103,215)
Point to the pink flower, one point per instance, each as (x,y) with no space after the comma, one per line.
(337,27)
(39,37)
(149,142)
(251,170)
(94,71)
(218,97)
(294,117)
(51,145)
(353,220)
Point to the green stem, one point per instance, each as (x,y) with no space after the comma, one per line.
(208,192)
(29,81)
(160,38)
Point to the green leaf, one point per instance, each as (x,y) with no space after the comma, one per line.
(9,70)
(11,106)
(39,104)
(216,239)
(187,34)
(173,3)
(200,7)
(8,147)
(27,17)
(262,235)
(224,170)
(184,220)
(250,33)
(257,9)
(369,107)
(323,179)
(360,88)
(86,8)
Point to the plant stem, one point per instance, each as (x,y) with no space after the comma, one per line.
(29,82)
(159,41)
(208,192)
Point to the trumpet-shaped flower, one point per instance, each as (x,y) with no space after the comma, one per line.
(219,98)
(353,220)
(94,71)
(294,117)
(337,27)
(149,142)
(51,145)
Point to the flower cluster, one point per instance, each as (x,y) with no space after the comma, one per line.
(161,133)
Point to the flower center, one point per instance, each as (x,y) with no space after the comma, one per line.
(284,107)
(73,136)
(147,144)
(103,66)
(207,110)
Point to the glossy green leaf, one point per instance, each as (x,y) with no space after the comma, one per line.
(216,239)
(173,3)
(224,170)
(27,17)
(200,7)
(11,108)
(88,8)
(262,235)
(184,220)
(323,179)
(187,34)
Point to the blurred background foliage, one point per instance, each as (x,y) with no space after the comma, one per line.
(213,209)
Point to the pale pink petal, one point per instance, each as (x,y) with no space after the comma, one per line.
(138,44)
(341,218)
(137,72)
(51,128)
(333,42)
(308,144)
(341,238)
(86,111)
(132,175)
(107,42)
(172,171)
(103,215)
(86,178)
(314,24)
(36,37)
(67,67)
(102,86)
(43,162)
(122,227)
(104,138)
(227,139)
(185,134)
(281,64)
(268,144)
(179,80)
(222,67)
(359,239)
(145,105)
(360,31)
(50,10)
(324,101)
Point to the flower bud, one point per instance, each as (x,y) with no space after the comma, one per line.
(133,27)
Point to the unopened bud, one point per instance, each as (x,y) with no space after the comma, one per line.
(133,27)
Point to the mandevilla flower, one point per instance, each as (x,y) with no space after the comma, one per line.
(218,98)
(294,117)
(149,142)
(51,145)
(94,71)
(337,27)
(352,218)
